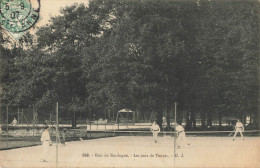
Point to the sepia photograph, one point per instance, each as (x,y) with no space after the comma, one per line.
(129,84)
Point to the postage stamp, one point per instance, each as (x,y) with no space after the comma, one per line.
(19,15)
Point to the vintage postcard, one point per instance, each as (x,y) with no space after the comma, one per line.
(129,83)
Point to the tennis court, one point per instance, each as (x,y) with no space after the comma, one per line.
(141,151)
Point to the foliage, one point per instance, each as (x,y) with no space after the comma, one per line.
(141,55)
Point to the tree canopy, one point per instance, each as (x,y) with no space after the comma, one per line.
(140,55)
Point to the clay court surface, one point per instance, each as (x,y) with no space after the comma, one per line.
(127,151)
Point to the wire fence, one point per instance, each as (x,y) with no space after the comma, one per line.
(23,127)
(21,135)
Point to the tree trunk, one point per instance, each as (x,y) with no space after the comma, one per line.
(73,119)
(179,114)
(241,117)
(193,120)
(1,114)
(203,118)
(220,119)
(159,115)
(169,110)
(209,118)
(188,121)
(109,115)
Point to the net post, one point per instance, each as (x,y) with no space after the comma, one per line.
(33,110)
(175,131)
(175,110)
(57,113)
(7,123)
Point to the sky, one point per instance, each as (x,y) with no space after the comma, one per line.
(50,8)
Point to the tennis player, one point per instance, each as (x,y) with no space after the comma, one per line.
(239,128)
(46,142)
(181,136)
(155,130)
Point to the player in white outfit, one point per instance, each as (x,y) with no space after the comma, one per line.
(14,122)
(239,128)
(181,136)
(155,130)
(46,142)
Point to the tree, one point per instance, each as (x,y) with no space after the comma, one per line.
(142,55)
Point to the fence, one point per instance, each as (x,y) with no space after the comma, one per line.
(24,126)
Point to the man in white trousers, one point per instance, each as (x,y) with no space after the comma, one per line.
(155,130)
(239,128)
(181,136)
(46,142)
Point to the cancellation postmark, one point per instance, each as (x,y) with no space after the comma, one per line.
(19,15)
